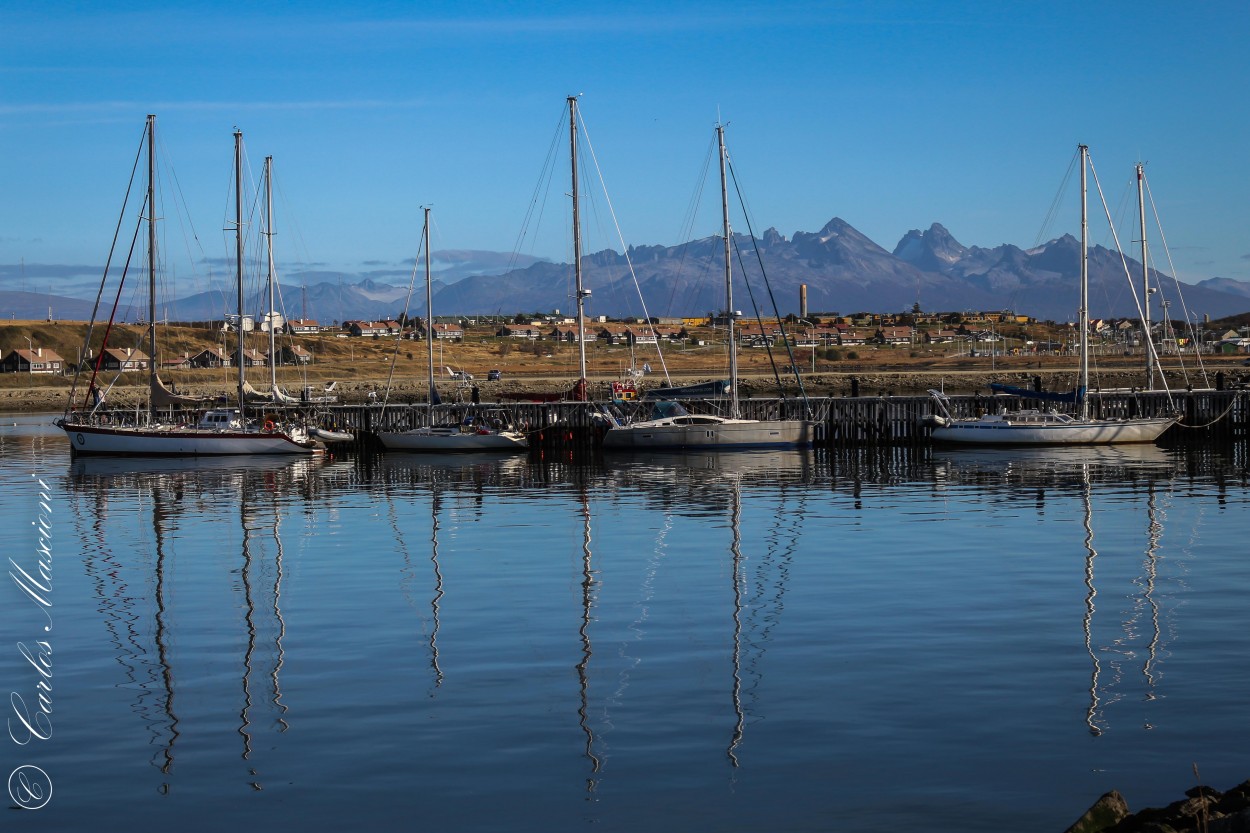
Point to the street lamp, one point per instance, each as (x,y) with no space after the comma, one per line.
(812,338)
(1166,325)
(30,362)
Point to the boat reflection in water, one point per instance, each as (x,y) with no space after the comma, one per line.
(132,583)
(759,562)
(1082,469)
(742,640)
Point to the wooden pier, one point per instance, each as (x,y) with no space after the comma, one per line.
(841,422)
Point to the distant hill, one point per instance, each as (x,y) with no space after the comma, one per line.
(843,270)
(39,306)
(1226,285)
(325,302)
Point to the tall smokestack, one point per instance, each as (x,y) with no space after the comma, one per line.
(802,300)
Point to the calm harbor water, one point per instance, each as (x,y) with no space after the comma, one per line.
(903,640)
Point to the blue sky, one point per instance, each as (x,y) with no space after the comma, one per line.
(890,115)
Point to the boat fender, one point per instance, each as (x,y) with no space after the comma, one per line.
(483,431)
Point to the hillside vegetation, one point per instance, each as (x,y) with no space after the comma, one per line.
(363,365)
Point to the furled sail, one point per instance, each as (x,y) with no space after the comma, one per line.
(273,396)
(163,397)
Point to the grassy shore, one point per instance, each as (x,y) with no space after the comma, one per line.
(360,366)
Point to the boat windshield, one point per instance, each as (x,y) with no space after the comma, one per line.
(667,409)
(490,419)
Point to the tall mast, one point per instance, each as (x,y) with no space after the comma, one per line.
(273,313)
(238,252)
(1083,317)
(730,315)
(152,262)
(1147,341)
(429,308)
(579,391)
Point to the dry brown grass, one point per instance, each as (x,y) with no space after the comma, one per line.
(361,365)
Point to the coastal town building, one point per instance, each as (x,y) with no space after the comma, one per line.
(616,334)
(254,358)
(212,357)
(125,359)
(443,332)
(302,326)
(941,336)
(568,334)
(895,335)
(34,360)
(530,331)
(375,329)
(294,354)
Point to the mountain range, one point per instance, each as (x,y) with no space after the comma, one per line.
(844,272)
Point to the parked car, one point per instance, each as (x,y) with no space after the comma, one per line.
(493,376)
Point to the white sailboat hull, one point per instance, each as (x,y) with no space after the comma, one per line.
(452,440)
(173,441)
(998,430)
(709,433)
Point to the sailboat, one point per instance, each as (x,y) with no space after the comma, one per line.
(217,432)
(1051,427)
(491,431)
(672,426)
(272,320)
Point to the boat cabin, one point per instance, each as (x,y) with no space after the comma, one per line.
(221,419)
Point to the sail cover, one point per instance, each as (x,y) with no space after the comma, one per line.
(1071,397)
(163,397)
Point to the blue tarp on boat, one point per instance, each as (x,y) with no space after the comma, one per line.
(704,390)
(1071,397)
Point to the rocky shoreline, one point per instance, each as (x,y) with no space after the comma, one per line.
(1203,810)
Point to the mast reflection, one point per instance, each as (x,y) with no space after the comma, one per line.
(1154,535)
(583,678)
(166,753)
(176,487)
(252,523)
(436,599)
(1091,714)
(702,485)
(1147,601)
(259,494)
(735,549)
(438,477)
(249,611)
(1034,474)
